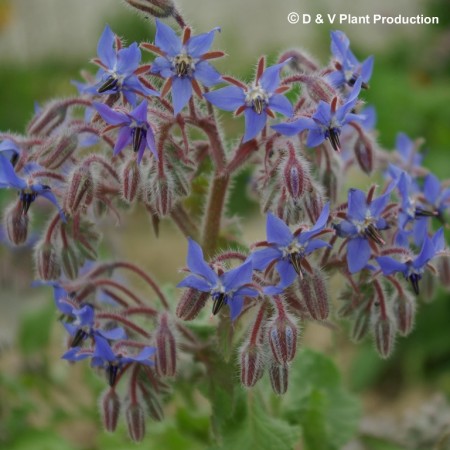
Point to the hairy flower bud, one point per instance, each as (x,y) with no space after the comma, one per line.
(384,330)
(155,8)
(319,89)
(135,418)
(47,261)
(191,303)
(364,153)
(110,409)
(282,334)
(58,150)
(295,177)
(166,348)
(300,61)
(16,223)
(279,377)
(361,323)
(130,180)
(50,116)
(404,311)
(313,202)
(161,194)
(315,295)
(251,360)
(81,189)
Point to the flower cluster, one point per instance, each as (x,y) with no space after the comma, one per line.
(304,129)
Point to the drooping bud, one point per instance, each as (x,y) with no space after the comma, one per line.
(130,180)
(16,223)
(81,189)
(295,176)
(51,116)
(135,418)
(279,377)
(155,8)
(166,349)
(252,364)
(282,334)
(299,61)
(315,295)
(364,152)
(361,323)
(161,194)
(191,303)
(313,202)
(57,151)
(110,409)
(47,261)
(319,89)
(69,262)
(404,311)
(384,329)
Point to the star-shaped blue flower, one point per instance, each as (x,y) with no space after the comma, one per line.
(119,67)
(363,223)
(183,62)
(326,122)
(436,195)
(288,250)
(407,150)
(256,101)
(229,288)
(349,69)
(28,188)
(134,128)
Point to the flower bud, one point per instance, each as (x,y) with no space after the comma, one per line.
(282,334)
(313,202)
(279,377)
(135,418)
(155,8)
(300,61)
(404,311)
(154,407)
(319,89)
(69,262)
(191,303)
(364,150)
(428,285)
(58,151)
(110,409)
(443,264)
(166,348)
(16,224)
(361,323)
(51,116)
(315,296)
(161,194)
(384,330)
(295,178)
(81,189)
(252,364)
(130,180)
(47,261)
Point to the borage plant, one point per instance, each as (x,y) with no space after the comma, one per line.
(149,133)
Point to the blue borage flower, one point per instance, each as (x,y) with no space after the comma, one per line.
(362,226)
(349,69)
(9,150)
(437,195)
(119,68)
(183,62)
(134,128)
(413,269)
(103,356)
(28,188)
(287,250)
(228,288)
(256,101)
(326,122)
(408,152)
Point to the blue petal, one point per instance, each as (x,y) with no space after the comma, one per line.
(315,137)
(404,146)
(142,356)
(281,104)
(358,254)
(105,48)
(74,355)
(140,112)
(320,224)
(206,74)
(228,98)
(9,149)
(235,304)
(389,265)
(262,258)
(114,334)
(8,177)
(287,274)
(357,205)
(345,229)
(297,126)
(85,315)
(377,206)
(128,59)
(181,93)
(323,113)
(315,244)
(198,45)
(278,232)
(270,79)
(431,188)
(162,66)
(426,253)
(197,265)
(109,115)
(50,196)
(123,139)
(438,240)
(151,142)
(339,44)
(195,282)
(367,68)
(103,350)
(238,276)
(254,123)
(166,39)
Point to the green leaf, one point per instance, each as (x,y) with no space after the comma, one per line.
(318,402)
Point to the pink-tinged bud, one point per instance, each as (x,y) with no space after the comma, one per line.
(319,89)
(81,189)
(47,261)
(166,348)
(295,177)
(314,292)
(384,330)
(69,262)
(314,202)
(252,364)
(161,195)
(154,407)
(443,264)
(57,151)
(135,418)
(300,61)
(191,303)
(16,224)
(155,8)
(405,311)
(51,116)
(130,180)
(279,377)
(364,150)
(282,334)
(361,324)
(110,409)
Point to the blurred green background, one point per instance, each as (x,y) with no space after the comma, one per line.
(44,403)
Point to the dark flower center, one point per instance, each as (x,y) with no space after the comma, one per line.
(27,197)
(112,370)
(219,300)
(296,261)
(79,337)
(111,83)
(257,99)
(414,278)
(333,135)
(183,65)
(372,232)
(138,133)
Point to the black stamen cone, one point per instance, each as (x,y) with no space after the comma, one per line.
(333,136)
(372,233)
(138,134)
(258,105)
(182,68)
(27,200)
(414,279)
(79,337)
(112,371)
(419,212)
(295,259)
(219,301)
(110,83)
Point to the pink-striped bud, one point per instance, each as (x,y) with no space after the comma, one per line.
(384,330)
(51,116)
(282,334)
(47,262)
(69,262)
(16,224)
(155,8)
(81,189)
(252,364)
(279,377)
(135,418)
(313,202)
(166,348)
(161,195)
(405,311)
(295,177)
(364,152)
(313,289)
(57,151)
(110,409)
(319,89)
(130,180)
(443,264)
(300,61)
(191,303)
